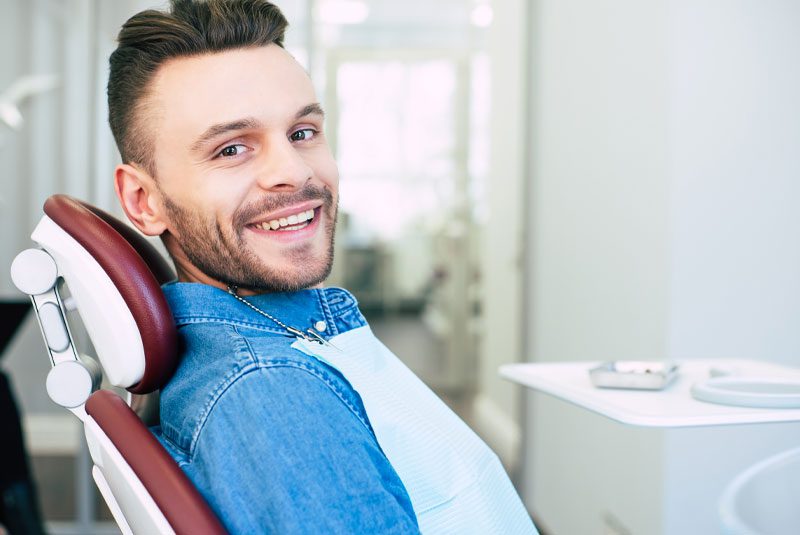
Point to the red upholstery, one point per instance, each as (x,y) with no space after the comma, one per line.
(122,254)
(137,270)
(181,504)
(158,265)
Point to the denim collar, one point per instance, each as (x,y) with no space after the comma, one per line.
(195,302)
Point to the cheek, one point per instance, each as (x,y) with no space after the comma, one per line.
(329,174)
(219,197)
(324,166)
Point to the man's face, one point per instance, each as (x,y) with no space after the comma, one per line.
(248,184)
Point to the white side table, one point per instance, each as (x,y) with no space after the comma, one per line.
(634,461)
(673,406)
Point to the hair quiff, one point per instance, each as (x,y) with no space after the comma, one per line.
(151,38)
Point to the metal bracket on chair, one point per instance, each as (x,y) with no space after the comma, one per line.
(73,377)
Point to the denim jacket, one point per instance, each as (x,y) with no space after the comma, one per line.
(291,436)
(274,439)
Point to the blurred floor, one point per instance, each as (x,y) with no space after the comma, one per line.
(423,352)
(55,479)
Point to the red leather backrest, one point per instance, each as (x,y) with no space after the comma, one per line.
(136,269)
(176,497)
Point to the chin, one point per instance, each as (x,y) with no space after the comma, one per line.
(301,272)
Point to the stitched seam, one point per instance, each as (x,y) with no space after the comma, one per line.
(326,311)
(244,345)
(229,379)
(337,296)
(233,377)
(341,296)
(177,453)
(228,321)
(179,450)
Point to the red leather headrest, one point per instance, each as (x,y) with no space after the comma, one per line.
(137,270)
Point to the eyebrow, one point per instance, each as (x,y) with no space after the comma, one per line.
(218,129)
(311,109)
(248,123)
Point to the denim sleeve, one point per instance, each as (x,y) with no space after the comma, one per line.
(282,452)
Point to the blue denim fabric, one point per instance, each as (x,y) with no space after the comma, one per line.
(274,439)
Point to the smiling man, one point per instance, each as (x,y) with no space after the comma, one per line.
(252,126)
(285,411)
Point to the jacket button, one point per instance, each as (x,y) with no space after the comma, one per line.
(320,326)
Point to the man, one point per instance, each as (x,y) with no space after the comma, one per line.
(285,411)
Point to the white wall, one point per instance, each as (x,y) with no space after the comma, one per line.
(598,245)
(735,135)
(496,405)
(599,197)
(665,172)
(735,226)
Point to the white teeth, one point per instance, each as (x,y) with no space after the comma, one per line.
(296,221)
(294,227)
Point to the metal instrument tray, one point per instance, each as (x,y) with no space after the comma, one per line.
(634,374)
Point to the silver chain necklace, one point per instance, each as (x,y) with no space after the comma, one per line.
(310,335)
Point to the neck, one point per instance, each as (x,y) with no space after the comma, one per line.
(235,290)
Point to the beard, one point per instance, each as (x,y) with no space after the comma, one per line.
(224,255)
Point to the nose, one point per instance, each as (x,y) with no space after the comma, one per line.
(282,168)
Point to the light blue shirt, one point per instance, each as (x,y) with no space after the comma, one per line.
(287,436)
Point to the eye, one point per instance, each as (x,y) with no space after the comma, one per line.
(303,134)
(232,150)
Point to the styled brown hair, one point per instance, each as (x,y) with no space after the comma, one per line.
(151,38)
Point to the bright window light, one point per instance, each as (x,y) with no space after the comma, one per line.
(482,15)
(343,12)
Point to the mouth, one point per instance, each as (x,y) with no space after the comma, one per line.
(294,224)
(296,221)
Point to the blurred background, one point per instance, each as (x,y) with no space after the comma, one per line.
(542,180)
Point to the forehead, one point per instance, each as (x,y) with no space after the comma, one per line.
(188,94)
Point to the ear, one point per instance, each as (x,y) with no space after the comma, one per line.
(140,199)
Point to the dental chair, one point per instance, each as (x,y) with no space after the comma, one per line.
(112,275)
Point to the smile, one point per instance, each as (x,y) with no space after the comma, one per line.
(296,221)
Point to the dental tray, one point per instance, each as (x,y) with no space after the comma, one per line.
(633,374)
